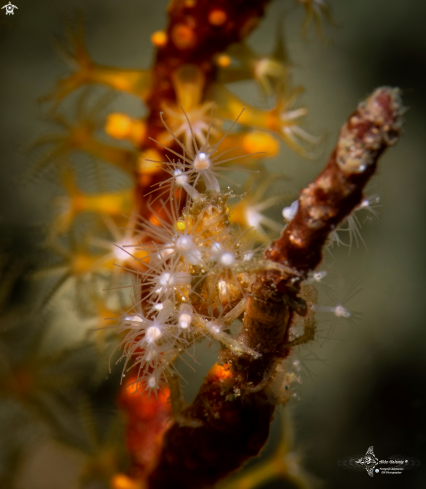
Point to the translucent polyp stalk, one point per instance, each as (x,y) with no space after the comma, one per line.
(136,82)
(210,180)
(230,107)
(110,203)
(263,144)
(119,157)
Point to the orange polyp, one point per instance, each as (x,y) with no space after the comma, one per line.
(219,372)
(113,204)
(117,125)
(155,221)
(159,39)
(183,36)
(122,481)
(121,126)
(131,388)
(273,121)
(217,17)
(257,141)
(133,392)
(148,162)
(223,60)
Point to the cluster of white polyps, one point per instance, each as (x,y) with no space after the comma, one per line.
(197,269)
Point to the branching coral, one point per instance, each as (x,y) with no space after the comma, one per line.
(195,275)
(237,406)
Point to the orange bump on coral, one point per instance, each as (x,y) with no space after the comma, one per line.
(217,17)
(121,481)
(219,372)
(223,60)
(159,39)
(121,126)
(183,36)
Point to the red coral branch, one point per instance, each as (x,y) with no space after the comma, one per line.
(196,33)
(374,126)
(147,418)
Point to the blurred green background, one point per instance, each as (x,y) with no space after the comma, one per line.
(364,387)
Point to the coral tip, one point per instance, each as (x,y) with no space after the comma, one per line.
(217,17)
(183,36)
(159,39)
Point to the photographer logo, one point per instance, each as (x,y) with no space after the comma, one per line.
(9,8)
(394,465)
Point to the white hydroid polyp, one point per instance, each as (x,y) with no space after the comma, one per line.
(227,259)
(339,311)
(168,281)
(176,238)
(184,244)
(133,318)
(199,162)
(290,212)
(195,271)
(153,333)
(354,226)
(216,250)
(369,203)
(318,276)
(120,250)
(179,179)
(185,316)
(214,328)
(188,249)
(183,180)
(257,220)
(202,161)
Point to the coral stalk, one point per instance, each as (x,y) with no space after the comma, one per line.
(338,190)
